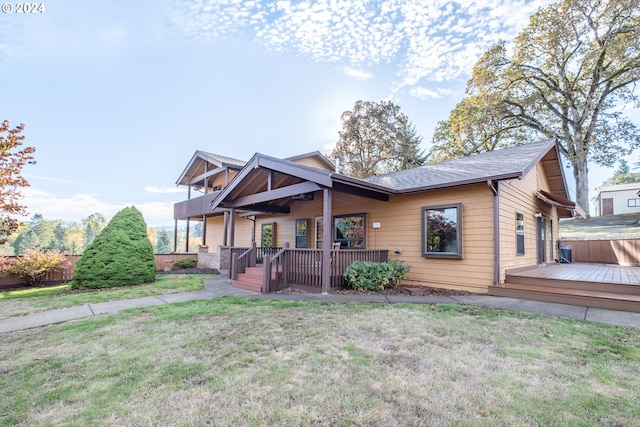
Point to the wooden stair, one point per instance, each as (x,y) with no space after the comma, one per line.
(251,279)
(590,294)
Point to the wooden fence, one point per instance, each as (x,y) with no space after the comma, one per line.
(64,275)
(622,252)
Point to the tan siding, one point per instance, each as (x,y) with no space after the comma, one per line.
(312,161)
(520,196)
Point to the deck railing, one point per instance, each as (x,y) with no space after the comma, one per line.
(240,262)
(304,266)
(287,266)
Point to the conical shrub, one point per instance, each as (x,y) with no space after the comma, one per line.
(120,255)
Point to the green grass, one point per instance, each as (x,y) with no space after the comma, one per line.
(33,300)
(234,361)
(624,226)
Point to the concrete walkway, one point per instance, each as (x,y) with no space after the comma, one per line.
(219,286)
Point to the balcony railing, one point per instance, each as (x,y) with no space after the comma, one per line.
(197,206)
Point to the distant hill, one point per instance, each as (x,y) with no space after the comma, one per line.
(610,227)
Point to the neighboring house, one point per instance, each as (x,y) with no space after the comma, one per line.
(458,224)
(617,199)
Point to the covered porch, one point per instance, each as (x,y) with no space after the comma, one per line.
(272,269)
(609,286)
(284,192)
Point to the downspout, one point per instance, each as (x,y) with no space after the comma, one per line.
(496,231)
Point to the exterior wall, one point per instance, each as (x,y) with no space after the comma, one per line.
(620,201)
(520,196)
(401,227)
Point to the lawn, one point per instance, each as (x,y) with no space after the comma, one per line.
(33,300)
(625,226)
(235,361)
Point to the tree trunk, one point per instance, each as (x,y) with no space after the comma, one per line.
(581,175)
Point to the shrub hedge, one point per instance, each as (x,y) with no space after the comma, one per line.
(374,276)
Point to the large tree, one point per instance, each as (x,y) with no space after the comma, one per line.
(12,160)
(567,77)
(377,138)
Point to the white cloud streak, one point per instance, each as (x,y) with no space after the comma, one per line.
(431,42)
(79,206)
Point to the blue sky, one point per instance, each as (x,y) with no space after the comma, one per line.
(117,95)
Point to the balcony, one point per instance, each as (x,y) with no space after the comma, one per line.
(195,207)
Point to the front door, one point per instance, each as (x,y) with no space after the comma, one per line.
(541,232)
(607,206)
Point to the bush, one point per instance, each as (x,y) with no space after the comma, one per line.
(374,276)
(185,263)
(34,264)
(120,255)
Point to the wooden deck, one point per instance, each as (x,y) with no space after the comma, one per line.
(593,285)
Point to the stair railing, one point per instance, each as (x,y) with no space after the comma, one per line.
(239,263)
(274,275)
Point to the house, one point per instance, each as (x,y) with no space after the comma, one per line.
(459,224)
(617,199)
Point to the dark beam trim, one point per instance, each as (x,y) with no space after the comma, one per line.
(359,191)
(322,178)
(265,207)
(278,193)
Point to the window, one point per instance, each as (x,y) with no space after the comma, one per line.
(442,231)
(519,233)
(301,233)
(267,239)
(633,203)
(349,230)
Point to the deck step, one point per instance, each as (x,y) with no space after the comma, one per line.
(251,279)
(575,283)
(582,297)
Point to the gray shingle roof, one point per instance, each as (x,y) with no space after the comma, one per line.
(514,161)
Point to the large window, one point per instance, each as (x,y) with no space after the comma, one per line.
(519,233)
(349,230)
(633,203)
(442,231)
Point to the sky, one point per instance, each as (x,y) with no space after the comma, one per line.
(117,95)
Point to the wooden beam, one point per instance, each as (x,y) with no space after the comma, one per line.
(278,193)
(232,232)
(265,207)
(359,191)
(306,173)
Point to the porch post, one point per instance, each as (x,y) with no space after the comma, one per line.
(204,229)
(327,239)
(175,235)
(186,240)
(225,227)
(233,227)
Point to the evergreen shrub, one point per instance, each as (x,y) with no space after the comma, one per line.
(120,255)
(374,276)
(185,263)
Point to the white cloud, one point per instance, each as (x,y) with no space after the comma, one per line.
(357,74)
(163,190)
(434,41)
(79,206)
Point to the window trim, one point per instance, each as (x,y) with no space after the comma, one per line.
(459,234)
(364,230)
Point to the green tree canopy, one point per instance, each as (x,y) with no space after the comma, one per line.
(120,255)
(623,175)
(377,138)
(567,75)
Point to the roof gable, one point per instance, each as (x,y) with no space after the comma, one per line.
(202,162)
